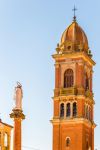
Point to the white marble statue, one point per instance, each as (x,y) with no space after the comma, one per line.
(18,96)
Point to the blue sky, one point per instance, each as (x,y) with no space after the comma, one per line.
(29,33)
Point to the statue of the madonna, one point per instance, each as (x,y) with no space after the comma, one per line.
(18,96)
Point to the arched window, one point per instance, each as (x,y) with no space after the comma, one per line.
(67,142)
(87,145)
(68,78)
(86,82)
(68,110)
(5,140)
(74,109)
(62,110)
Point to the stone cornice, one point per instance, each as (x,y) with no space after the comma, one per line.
(74,93)
(74,55)
(72,121)
(65,98)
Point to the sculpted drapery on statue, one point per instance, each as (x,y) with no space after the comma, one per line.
(18,96)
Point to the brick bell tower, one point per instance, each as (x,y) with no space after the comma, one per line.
(73,122)
(18,116)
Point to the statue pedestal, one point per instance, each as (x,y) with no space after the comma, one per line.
(18,116)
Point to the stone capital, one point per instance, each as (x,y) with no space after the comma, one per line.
(17,113)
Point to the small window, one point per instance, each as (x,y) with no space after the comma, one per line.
(62,110)
(74,109)
(68,110)
(68,142)
(68,78)
(86,82)
(69,47)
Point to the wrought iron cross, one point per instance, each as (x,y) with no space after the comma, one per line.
(74,9)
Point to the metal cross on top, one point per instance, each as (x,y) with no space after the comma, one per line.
(74,9)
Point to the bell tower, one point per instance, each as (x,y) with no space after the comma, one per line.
(73,122)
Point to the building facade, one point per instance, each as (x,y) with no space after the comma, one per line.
(73,121)
(5,136)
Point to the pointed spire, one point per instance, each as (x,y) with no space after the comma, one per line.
(74,9)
